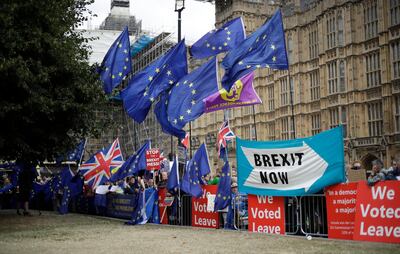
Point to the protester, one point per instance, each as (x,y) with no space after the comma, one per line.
(5,192)
(100,198)
(356,165)
(25,183)
(215,179)
(393,173)
(115,188)
(378,172)
(163,180)
(151,184)
(132,187)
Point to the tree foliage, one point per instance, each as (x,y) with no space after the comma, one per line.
(49,92)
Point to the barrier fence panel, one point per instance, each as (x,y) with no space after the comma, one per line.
(240,212)
(174,212)
(186,210)
(292,225)
(313,215)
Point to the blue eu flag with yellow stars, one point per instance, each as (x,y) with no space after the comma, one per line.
(159,76)
(196,168)
(160,110)
(146,209)
(117,63)
(264,48)
(133,164)
(186,97)
(195,180)
(224,189)
(229,36)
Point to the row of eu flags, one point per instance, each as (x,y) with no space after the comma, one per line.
(178,95)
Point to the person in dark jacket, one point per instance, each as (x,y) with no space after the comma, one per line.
(25,184)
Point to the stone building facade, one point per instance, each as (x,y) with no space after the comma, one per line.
(344,60)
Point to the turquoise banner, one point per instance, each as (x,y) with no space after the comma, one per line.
(291,167)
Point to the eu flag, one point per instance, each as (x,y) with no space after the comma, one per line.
(156,78)
(146,209)
(197,167)
(264,48)
(186,97)
(77,153)
(224,189)
(185,184)
(72,185)
(160,110)
(229,36)
(201,159)
(117,63)
(195,180)
(173,178)
(133,164)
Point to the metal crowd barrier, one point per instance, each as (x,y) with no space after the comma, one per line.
(305,215)
(186,210)
(292,222)
(313,215)
(240,212)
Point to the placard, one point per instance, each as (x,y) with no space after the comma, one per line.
(162,208)
(201,217)
(266,214)
(341,210)
(153,159)
(378,212)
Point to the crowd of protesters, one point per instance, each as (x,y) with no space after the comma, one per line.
(20,191)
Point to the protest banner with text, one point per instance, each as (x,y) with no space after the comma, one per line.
(201,216)
(341,210)
(266,214)
(378,212)
(152,159)
(162,208)
(291,167)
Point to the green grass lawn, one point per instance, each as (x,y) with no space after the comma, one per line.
(76,233)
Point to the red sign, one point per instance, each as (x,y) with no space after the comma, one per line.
(152,159)
(341,210)
(200,216)
(266,214)
(378,212)
(162,209)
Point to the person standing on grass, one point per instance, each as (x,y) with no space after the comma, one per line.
(25,184)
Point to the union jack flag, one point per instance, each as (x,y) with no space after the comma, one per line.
(185,141)
(224,134)
(98,168)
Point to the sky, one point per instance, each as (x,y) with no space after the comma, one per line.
(159,15)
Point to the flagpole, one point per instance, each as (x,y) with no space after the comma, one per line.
(172,145)
(179,192)
(190,139)
(254,122)
(292,104)
(227,144)
(84,148)
(254,109)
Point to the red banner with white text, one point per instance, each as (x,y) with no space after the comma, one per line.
(266,214)
(162,209)
(201,216)
(378,212)
(341,210)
